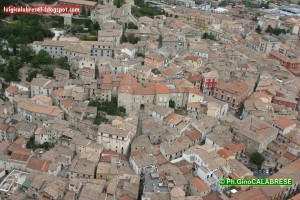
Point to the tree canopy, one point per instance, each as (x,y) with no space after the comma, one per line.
(42,58)
(257,159)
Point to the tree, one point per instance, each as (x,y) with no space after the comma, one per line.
(176,16)
(131,25)
(31,76)
(63,63)
(96,26)
(258,29)
(124,39)
(269,29)
(257,159)
(42,57)
(11,69)
(171,103)
(25,53)
(83,11)
(160,41)
(14,46)
(89,12)
(205,35)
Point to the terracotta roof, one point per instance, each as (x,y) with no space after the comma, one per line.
(236,87)
(194,135)
(12,90)
(21,154)
(199,184)
(4,127)
(194,78)
(290,156)
(235,147)
(161,89)
(225,153)
(143,91)
(126,197)
(58,92)
(67,102)
(284,122)
(38,165)
(192,58)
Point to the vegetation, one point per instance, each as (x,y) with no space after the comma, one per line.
(171,103)
(111,108)
(30,145)
(83,11)
(258,29)
(100,119)
(131,39)
(62,62)
(42,58)
(181,111)
(131,25)
(25,53)
(255,17)
(88,38)
(26,29)
(140,55)
(31,75)
(119,3)
(275,31)
(144,9)
(11,69)
(209,36)
(257,159)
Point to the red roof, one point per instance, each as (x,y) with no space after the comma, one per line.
(284,122)
(161,89)
(21,154)
(67,102)
(199,184)
(126,197)
(235,147)
(290,156)
(12,90)
(4,127)
(194,135)
(38,165)
(225,153)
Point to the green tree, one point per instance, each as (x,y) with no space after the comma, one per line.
(124,39)
(269,29)
(96,26)
(205,35)
(11,69)
(171,103)
(63,63)
(83,11)
(14,46)
(25,53)
(131,25)
(89,12)
(31,75)
(42,58)
(160,41)
(257,159)
(258,29)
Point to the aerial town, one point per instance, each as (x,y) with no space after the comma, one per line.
(150,100)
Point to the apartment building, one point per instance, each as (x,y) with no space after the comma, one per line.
(32,112)
(70,50)
(117,136)
(234,93)
(41,86)
(268,43)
